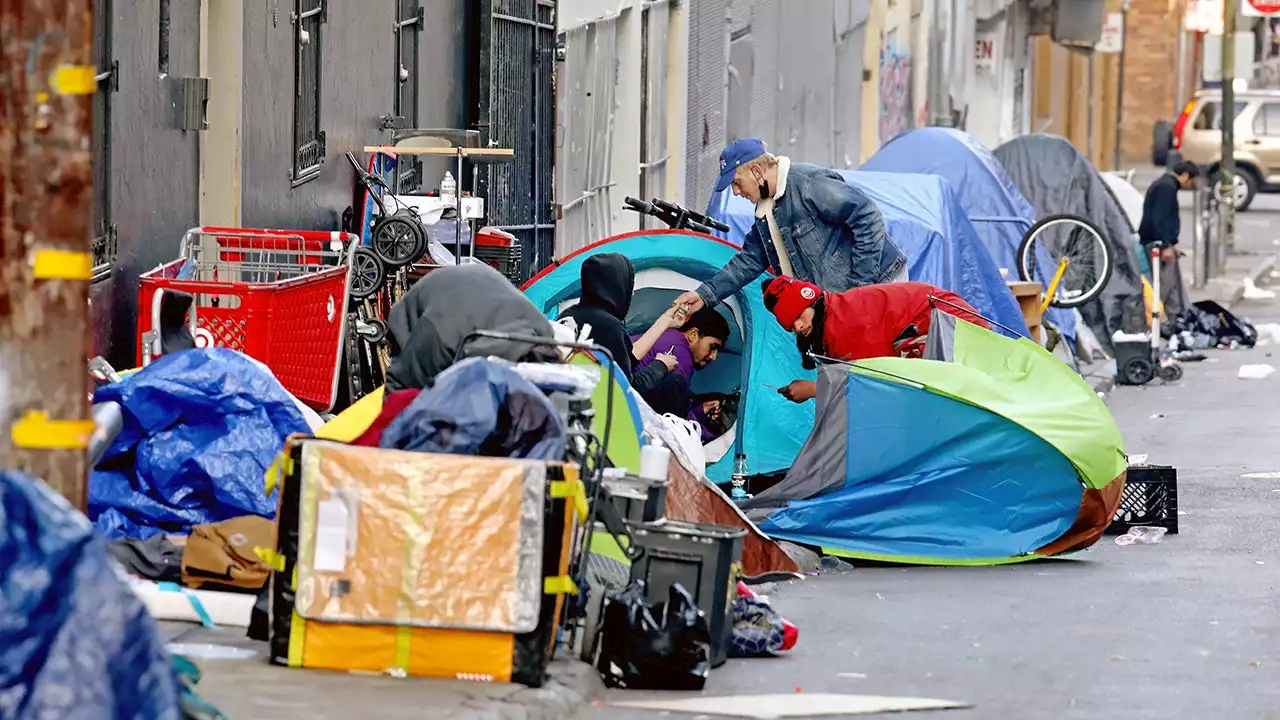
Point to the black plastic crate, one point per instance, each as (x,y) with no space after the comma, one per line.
(1150,498)
(705,559)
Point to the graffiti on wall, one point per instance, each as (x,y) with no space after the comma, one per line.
(896,116)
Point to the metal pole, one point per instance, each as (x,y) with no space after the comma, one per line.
(1124,46)
(1226,187)
(46,82)
(1089,126)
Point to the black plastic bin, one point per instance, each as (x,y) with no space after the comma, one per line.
(705,559)
(1149,499)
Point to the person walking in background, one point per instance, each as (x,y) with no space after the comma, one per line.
(1161,224)
(810,224)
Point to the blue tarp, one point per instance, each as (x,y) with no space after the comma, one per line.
(74,640)
(935,477)
(922,216)
(995,206)
(200,429)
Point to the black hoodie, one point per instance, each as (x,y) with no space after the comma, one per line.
(429,325)
(608,281)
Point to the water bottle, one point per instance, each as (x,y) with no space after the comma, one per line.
(739,479)
(448,186)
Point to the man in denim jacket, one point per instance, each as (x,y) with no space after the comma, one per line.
(810,224)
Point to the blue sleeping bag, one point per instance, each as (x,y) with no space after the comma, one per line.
(200,429)
(74,640)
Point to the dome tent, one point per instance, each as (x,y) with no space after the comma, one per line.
(1057,179)
(996,207)
(1018,458)
(759,356)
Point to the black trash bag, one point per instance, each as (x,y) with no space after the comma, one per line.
(639,651)
(1209,318)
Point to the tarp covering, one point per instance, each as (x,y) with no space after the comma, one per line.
(1057,179)
(996,454)
(74,640)
(996,207)
(759,354)
(200,428)
(923,217)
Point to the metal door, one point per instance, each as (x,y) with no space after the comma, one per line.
(517,111)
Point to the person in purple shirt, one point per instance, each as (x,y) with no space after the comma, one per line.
(695,344)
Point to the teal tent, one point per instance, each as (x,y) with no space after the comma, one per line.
(759,357)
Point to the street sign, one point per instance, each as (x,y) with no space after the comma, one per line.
(1261,8)
(1112,34)
(986,52)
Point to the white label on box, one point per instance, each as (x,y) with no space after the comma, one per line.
(331,537)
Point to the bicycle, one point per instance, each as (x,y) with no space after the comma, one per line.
(675,216)
(1076,249)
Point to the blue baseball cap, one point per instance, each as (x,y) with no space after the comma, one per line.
(734,155)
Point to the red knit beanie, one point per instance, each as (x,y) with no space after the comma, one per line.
(787,297)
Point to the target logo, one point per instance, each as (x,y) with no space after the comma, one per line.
(331,309)
(204,338)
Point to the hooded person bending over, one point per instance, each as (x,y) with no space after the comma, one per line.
(608,283)
(810,224)
(874,321)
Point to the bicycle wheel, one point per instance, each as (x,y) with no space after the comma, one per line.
(1073,238)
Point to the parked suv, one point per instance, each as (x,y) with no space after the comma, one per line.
(1198,137)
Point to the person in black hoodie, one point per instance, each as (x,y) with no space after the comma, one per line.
(608,281)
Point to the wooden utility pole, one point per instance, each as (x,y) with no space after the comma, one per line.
(46,87)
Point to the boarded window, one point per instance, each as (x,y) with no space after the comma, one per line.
(308,138)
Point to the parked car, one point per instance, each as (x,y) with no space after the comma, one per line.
(1197,136)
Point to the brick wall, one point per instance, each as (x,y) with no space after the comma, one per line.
(1150,75)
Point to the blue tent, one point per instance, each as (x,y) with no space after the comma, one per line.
(922,216)
(998,210)
(759,356)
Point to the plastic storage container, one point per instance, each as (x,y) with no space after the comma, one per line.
(638,500)
(705,559)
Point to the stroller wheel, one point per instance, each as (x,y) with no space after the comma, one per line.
(367,274)
(398,240)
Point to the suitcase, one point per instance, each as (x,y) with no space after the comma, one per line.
(421,564)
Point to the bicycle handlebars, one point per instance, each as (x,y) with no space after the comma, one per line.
(676,217)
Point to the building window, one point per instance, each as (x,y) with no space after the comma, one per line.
(408,25)
(408,29)
(308,138)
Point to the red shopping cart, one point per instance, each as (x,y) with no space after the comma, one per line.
(278,296)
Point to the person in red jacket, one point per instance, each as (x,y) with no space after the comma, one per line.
(883,320)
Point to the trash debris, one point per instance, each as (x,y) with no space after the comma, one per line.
(1255,372)
(1142,535)
(1262,475)
(831,563)
(852,675)
(210,651)
(1138,459)
(787,705)
(639,651)
(1156,416)
(1253,292)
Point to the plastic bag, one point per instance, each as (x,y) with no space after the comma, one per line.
(654,647)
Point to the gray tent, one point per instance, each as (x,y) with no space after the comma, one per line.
(1056,179)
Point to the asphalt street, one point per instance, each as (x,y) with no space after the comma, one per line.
(1189,628)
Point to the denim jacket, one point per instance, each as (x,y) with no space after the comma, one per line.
(834,235)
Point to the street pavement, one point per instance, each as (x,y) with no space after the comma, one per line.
(1189,628)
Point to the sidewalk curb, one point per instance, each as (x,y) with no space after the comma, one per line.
(1262,269)
(569,692)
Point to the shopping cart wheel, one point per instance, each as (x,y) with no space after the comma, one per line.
(399,239)
(373,330)
(367,274)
